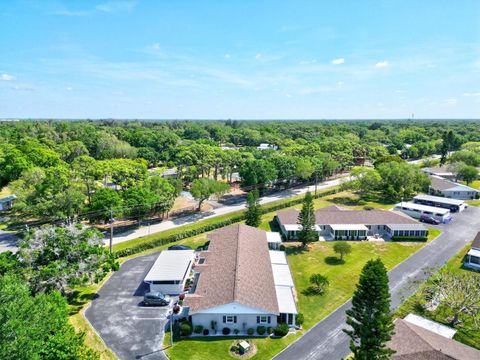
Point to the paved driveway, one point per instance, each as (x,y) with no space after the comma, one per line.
(8,242)
(327,341)
(130,330)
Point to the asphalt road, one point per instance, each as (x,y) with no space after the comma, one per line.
(8,242)
(327,341)
(129,329)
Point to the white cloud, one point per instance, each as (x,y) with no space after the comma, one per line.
(450,101)
(471,94)
(258,56)
(227,56)
(22,88)
(381,64)
(114,6)
(340,83)
(66,12)
(7,77)
(399,91)
(69,88)
(338,61)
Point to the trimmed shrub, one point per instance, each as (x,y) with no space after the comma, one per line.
(176,331)
(226,331)
(234,349)
(269,330)
(176,309)
(261,330)
(198,329)
(181,296)
(185,329)
(236,331)
(410,238)
(281,329)
(250,331)
(206,332)
(300,319)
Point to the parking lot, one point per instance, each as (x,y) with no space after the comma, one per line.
(129,329)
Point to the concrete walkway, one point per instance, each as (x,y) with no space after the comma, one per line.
(226,209)
(326,340)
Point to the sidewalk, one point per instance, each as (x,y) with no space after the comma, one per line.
(227,209)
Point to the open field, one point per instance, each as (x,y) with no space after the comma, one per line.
(467,332)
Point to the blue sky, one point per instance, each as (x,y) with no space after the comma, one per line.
(173,59)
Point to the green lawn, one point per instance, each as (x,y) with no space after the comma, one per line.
(467,332)
(319,259)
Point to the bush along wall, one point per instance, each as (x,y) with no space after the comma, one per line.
(410,238)
(163,240)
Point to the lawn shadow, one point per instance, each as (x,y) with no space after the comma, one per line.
(345,200)
(311,291)
(273,224)
(333,260)
(295,250)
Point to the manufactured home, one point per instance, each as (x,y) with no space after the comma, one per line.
(453,205)
(417,210)
(472,259)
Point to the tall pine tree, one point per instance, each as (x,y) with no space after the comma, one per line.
(369,318)
(253,215)
(306,219)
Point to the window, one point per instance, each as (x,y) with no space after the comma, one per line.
(230,319)
(263,319)
(166,282)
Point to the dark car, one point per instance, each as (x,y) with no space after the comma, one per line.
(156,298)
(179,247)
(429,220)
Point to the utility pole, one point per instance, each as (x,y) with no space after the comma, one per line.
(111,229)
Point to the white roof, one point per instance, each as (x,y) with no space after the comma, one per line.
(171,265)
(439,199)
(432,209)
(474,252)
(292,227)
(278,257)
(348,227)
(282,275)
(285,300)
(430,325)
(274,237)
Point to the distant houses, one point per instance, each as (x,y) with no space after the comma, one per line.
(265,146)
(441,171)
(335,223)
(450,189)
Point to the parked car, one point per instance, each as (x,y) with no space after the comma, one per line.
(156,298)
(179,247)
(429,220)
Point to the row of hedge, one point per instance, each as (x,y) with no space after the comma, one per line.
(163,240)
(410,238)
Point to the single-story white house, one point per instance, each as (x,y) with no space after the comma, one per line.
(6,203)
(441,171)
(169,273)
(472,259)
(454,205)
(450,189)
(241,283)
(417,210)
(336,223)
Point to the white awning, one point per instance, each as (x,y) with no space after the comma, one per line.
(278,257)
(274,237)
(430,325)
(285,300)
(282,275)
(348,227)
(474,252)
(171,265)
(292,227)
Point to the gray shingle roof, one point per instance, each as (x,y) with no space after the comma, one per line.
(337,215)
(237,269)
(414,342)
